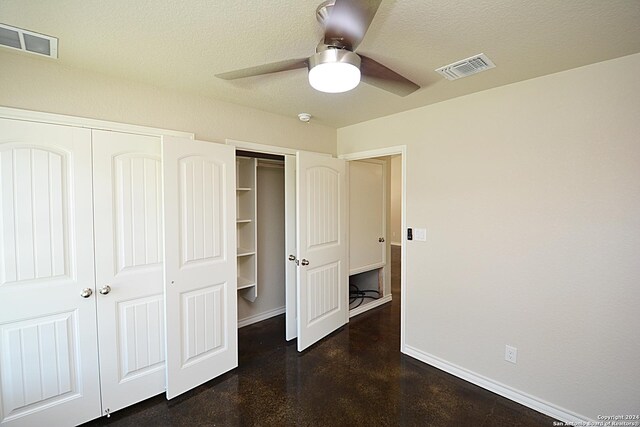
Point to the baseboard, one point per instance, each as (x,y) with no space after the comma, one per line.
(260,317)
(368,306)
(561,414)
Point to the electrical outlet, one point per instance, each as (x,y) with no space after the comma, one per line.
(510,354)
(420,234)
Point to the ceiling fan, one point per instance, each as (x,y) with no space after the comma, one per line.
(335,67)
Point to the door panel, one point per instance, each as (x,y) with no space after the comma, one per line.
(129,251)
(48,352)
(367,214)
(203,318)
(201,225)
(141,347)
(200,262)
(322,291)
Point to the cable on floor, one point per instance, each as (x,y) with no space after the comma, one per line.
(355,294)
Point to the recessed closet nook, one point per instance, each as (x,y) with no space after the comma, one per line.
(260,236)
(129,257)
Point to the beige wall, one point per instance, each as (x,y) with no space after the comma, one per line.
(530,194)
(38,84)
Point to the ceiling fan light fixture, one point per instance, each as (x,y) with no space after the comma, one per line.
(334,70)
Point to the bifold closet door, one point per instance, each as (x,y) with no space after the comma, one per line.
(322,287)
(200,261)
(127,172)
(48,341)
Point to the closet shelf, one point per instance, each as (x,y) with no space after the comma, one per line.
(245,252)
(246,227)
(245,283)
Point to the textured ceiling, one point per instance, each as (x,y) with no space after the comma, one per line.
(182,44)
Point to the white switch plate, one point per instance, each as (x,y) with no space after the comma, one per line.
(420,234)
(510,354)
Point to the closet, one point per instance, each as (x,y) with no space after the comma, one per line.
(260,227)
(86,279)
(60,185)
(314,262)
(276,262)
(122,257)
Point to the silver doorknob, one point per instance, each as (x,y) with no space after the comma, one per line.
(86,292)
(292,257)
(380,239)
(305,262)
(105,289)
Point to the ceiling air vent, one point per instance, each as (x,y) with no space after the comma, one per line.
(28,41)
(466,67)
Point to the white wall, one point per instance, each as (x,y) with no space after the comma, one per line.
(530,194)
(40,84)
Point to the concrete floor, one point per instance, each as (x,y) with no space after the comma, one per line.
(355,377)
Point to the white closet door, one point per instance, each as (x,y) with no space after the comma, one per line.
(322,288)
(290,245)
(200,261)
(367,214)
(128,225)
(48,343)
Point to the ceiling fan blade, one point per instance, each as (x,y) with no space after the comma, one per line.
(274,67)
(349,21)
(376,74)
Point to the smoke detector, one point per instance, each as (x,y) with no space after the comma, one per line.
(466,67)
(304,117)
(28,41)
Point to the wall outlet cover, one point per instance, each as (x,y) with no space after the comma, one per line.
(510,354)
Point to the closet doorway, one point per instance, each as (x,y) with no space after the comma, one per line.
(261,236)
(315,240)
(376,281)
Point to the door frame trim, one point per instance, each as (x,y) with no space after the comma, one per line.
(392,151)
(84,122)
(257,147)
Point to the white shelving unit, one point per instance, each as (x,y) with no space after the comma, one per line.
(246,228)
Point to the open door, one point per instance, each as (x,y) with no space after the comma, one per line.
(290,245)
(322,276)
(200,262)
